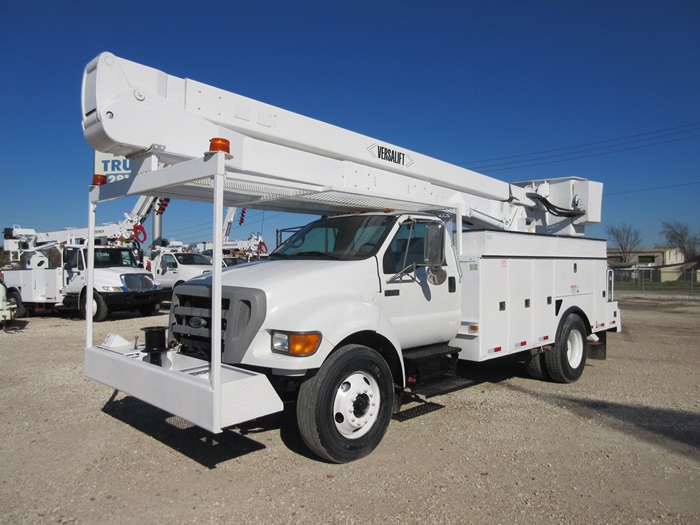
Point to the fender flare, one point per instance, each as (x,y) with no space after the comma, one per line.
(562,319)
(381,329)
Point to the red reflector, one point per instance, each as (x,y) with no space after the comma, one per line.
(523,343)
(497,349)
(602,324)
(545,338)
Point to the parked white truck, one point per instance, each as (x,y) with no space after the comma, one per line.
(428,263)
(173,265)
(54,278)
(49,269)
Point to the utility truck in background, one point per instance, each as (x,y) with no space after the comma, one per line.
(174,264)
(414,265)
(50,268)
(246,250)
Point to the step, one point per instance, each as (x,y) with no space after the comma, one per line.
(423,353)
(447,385)
(419,410)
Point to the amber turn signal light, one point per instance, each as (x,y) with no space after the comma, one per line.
(219,144)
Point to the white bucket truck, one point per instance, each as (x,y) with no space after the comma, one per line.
(416,264)
(50,270)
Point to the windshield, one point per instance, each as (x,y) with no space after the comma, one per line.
(115,258)
(191,258)
(233,261)
(344,238)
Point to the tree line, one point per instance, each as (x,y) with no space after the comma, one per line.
(677,234)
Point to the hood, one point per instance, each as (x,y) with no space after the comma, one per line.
(112,276)
(306,277)
(192,268)
(121,270)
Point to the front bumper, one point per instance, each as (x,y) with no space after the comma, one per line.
(182,385)
(130,299)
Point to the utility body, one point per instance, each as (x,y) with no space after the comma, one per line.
(414,265)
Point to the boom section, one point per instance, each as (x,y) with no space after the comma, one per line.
(131,109)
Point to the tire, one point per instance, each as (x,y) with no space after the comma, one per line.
(99,308)
(150,309)
(14,297)
(344,410)
(566,361)
(535,366)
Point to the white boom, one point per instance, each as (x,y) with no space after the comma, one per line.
(138,111)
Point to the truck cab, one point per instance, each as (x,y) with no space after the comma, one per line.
(371,270)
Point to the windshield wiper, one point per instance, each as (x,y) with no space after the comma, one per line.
(316,254)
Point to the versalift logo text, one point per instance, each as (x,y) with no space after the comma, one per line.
(390,155)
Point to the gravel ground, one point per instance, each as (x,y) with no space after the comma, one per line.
(622,445)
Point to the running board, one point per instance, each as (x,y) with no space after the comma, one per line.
(446,386)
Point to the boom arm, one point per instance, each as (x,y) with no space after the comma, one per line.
(131,109)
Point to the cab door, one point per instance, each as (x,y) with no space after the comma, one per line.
(423,303)
(73,270)
(167,271)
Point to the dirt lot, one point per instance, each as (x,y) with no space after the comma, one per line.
(622,445)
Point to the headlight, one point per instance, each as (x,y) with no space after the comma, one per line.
(295,343)
(113,288)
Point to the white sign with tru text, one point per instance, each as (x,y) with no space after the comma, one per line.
(115,167)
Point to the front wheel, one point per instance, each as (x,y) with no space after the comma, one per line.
(150,309)
(566,361)
(344,410)
(99,308)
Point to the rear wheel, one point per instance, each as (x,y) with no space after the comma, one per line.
(535,366)
(566,361)
(345,409)
(13,297)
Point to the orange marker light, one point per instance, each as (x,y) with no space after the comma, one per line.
(219,144)
(99,180)
(303,344)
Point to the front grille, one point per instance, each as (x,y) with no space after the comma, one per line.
(242,315)
(137,282)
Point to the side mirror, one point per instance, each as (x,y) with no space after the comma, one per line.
(434,247)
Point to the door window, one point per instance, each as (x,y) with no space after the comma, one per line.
(406,248)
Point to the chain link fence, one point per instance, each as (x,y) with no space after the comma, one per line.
(663,280)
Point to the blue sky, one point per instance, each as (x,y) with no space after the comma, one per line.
(607,90)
